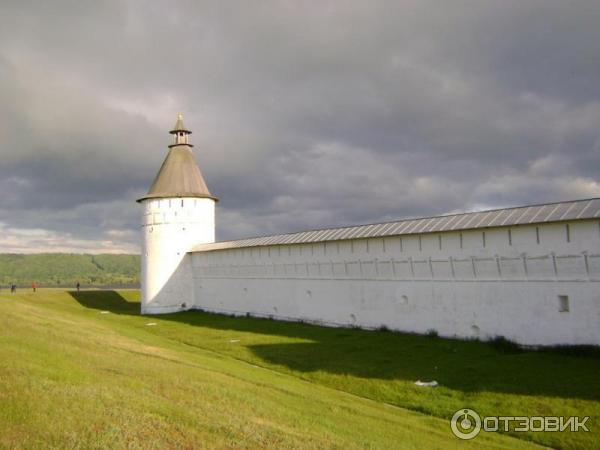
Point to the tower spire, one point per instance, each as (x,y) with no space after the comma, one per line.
(180,132)
(179,175)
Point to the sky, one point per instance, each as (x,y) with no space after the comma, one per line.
(304,114)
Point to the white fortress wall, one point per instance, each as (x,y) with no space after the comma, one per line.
(170,227)
(534,284)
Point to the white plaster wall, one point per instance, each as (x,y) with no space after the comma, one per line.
(504,283)
(170,227)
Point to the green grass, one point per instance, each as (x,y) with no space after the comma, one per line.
(71,376)
(66,269)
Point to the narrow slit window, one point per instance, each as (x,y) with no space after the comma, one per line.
(568,232)
(420,244)
(483,238)
(509,236)
(563,303)
(537,234)
(440,241)
(461,240)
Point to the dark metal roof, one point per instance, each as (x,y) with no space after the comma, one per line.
(179,176)
(550,212)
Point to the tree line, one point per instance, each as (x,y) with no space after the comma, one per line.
(67,269)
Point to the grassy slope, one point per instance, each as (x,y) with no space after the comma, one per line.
(71,377)
(65,269)
(383,366)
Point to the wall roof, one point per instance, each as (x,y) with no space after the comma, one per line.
(545,213)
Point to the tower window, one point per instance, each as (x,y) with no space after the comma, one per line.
(563,303)
(568,232)
(509,236)
(537,234)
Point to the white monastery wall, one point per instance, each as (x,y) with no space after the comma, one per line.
(170,227)
(534,284)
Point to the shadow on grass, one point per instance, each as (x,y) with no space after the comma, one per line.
(106,301)
(468,366)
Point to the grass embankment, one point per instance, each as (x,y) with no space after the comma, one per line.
(72,376)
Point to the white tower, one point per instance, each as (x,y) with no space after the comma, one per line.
(179,213)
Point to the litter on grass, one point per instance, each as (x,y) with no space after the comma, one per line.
(104,312)
(426,383)
(150,324)
(233,341)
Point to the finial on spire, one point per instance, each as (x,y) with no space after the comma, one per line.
(179,125)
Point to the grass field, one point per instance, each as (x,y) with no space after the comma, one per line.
(85,370)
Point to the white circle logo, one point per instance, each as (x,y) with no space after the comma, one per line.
(465,424)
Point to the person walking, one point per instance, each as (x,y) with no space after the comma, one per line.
(78,286)
(34,286)
(13,288)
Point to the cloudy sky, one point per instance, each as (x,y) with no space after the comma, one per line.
(305,114)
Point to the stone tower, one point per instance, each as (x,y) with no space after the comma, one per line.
(179,213)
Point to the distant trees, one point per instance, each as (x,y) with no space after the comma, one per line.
(66,269)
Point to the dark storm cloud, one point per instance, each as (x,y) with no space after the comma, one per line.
(304,114)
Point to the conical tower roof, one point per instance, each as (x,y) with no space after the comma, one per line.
(179,175)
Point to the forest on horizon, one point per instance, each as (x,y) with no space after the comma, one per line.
(67,269)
